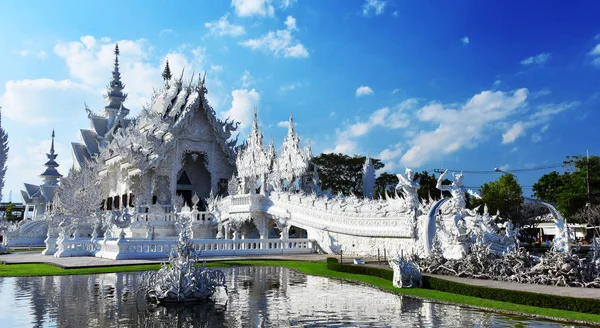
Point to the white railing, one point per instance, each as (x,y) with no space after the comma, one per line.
(146,249)
(241,200)
(75,247)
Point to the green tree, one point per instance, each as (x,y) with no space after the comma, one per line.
(9,212)
(385,181)
(547,188)
(428,186)
(569,191)
(342,173)
(504,195)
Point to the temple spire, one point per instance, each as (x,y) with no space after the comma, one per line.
(52,146)
(51,176)
(255,120)
(114,94)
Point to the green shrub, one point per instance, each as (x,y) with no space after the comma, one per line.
(333,264)
(584,305)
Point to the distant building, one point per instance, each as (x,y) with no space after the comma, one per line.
(39,197)
(18,210)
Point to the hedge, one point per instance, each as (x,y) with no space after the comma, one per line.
(584,305)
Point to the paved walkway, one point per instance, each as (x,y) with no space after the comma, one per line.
(87,261)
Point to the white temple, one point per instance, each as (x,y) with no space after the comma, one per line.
(40,197)
(178,160)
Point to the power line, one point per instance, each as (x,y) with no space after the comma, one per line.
(537,168)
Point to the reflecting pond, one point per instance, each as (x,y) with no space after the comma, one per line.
(257,297)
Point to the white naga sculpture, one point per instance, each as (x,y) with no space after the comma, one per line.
(406,274)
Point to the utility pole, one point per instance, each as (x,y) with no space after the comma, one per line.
(587,179)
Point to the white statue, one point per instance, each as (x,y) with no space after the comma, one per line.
(457,190)
(406,274)
(410,187)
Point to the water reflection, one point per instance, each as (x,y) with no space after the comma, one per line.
(258,296)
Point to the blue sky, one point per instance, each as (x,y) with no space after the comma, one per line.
(468,85)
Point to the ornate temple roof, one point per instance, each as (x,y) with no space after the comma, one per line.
(103,125)
(253,159)
(293,161)
(44,193)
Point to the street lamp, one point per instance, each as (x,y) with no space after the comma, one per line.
(501,171)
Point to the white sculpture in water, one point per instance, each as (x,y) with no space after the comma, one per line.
(406,274)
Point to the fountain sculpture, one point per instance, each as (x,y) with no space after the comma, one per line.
(182,280)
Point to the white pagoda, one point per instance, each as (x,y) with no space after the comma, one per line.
(39,197)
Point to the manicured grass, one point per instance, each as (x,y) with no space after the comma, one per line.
(27,270)
(318,269)
(18,250)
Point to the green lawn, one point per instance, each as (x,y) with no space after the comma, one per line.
(18,250)
(318,269)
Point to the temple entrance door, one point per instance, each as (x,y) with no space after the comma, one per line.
(194,178)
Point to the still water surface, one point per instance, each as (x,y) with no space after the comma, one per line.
(257,297)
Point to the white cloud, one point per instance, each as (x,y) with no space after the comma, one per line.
(25,53)
(497,82)
(547,111)
(375,6)
(247,79)
(36,102)
(395,91)
(517,130)
(290,22)
(386,117)
(247,8)
(544,114)
(390,154)
(537,137)
(541,93)
(284,124)
(216,68)
(242,106)
(395,13)
(465,40)
(459,128)
(539,59)
(344,147)
(164,32)
(25,165)
(262,8)
(290,86)
(91,61)
(364,91)
(596,53)
(223,27)
(279,42)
